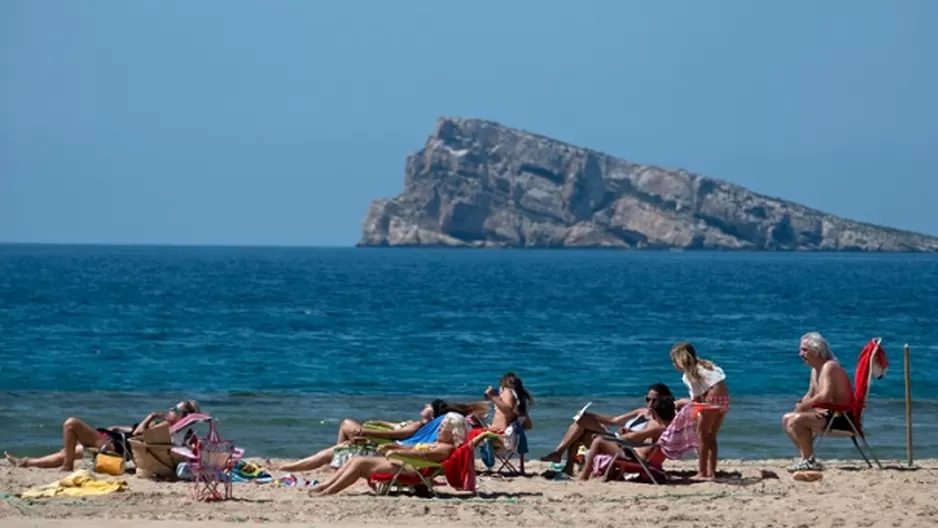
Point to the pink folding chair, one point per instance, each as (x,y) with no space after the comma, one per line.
(211,460)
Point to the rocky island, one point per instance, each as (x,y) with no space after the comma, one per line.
(477,183)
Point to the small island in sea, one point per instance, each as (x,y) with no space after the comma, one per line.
(477,183)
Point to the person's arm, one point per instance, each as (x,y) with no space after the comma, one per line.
(652,432)
(527,424)
(608,419)
(812,388)
(822,392)
(395,434)
(690,393)
(145,424)
(381,423)
(437,453)
(507,408)
(120,429)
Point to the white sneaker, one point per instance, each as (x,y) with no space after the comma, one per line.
(806,464)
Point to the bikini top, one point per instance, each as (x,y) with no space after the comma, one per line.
(638,423)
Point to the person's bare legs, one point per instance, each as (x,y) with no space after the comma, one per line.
(585,439)
(354,469)
(340,474)
(705,420)
(348,429)
(309,463)
(597,447)
(801,428)
(55,460)
(74,433)
(714,432)
(573,437)
(786,425)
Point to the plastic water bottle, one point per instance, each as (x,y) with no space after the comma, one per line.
(183,471)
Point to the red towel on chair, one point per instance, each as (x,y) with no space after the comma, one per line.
(460,467)
(863,373)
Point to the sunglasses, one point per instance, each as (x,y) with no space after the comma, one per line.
(649,400)
(178,410)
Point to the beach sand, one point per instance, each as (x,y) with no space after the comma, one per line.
(750,493)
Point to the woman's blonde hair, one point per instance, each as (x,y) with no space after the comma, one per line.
(685,357)
(193,406)
(458,427)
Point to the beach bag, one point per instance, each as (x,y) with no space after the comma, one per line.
(154,461)
(109,464)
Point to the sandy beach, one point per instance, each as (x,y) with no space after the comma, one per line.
(749,493)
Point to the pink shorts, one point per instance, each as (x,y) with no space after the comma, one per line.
(722,402)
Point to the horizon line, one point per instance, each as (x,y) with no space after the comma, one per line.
(173,244)
(4,243)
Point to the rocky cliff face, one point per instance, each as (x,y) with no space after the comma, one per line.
(479,184)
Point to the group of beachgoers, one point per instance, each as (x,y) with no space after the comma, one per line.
(665,426)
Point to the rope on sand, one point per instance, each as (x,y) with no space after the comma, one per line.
(15,502)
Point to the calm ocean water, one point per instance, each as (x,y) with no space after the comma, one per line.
(282,343)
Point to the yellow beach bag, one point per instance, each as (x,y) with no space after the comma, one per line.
(109,464)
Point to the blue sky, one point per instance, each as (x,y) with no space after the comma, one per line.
(246,122)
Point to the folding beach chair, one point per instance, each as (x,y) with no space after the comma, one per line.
(628,461)
(211,459)
(417,474)
(423,477)
(515,448)
(872,363)
(498,450)
(679,438)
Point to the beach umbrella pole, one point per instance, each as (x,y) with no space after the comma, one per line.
(908,405)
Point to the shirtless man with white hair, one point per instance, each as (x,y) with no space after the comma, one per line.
(830,385)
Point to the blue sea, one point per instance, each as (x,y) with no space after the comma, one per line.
(280,344)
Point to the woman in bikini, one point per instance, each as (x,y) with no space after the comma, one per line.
(453,432)
(352,439)
(511,402)
(637,425)
(78,435)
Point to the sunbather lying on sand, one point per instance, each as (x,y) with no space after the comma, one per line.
(352,439)
(453,432)
(637,425)
(79,435)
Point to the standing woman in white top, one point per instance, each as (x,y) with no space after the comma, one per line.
(710,400)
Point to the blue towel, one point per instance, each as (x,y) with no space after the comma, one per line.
(522,439)
(426,434)
(487,454)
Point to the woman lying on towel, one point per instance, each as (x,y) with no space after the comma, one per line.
(453,431)
(356,439)
(79,435)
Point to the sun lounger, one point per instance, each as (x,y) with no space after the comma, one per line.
(679,438)
(458,469)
